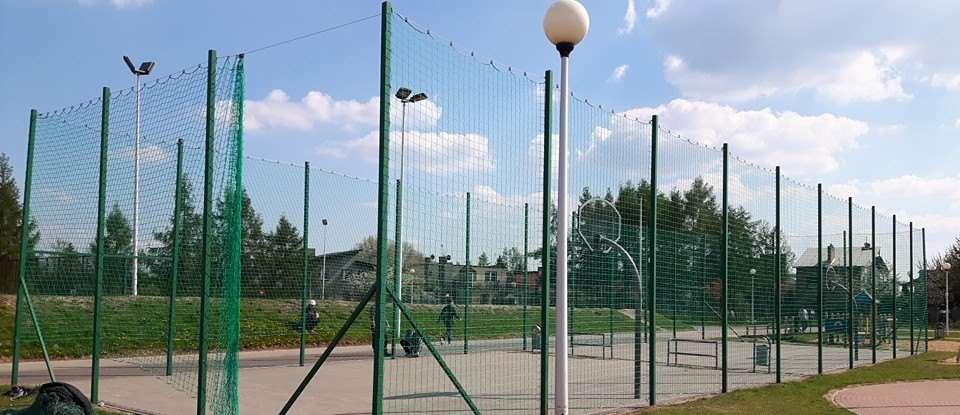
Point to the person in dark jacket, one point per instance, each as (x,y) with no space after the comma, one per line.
(448,314)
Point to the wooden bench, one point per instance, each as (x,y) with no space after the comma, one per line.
(673,348)
(757,330)
(602,340)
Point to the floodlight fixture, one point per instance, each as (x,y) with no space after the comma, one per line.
(418,97)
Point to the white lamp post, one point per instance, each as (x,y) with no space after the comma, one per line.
(945,267)
(144,69)
(323,268)
(565,24)
(753,273)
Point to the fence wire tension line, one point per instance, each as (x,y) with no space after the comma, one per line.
(690,271)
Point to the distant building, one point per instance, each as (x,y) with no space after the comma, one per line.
(836,265)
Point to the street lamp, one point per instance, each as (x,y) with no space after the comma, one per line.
(406,96)
(565,24)
(144,69)
(945,267)
(323,268)
(753,273)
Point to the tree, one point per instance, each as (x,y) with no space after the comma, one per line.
(11,216)
(10,211)
(117,251)
(484,260)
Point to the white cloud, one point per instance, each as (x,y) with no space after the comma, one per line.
(119,4)
(929,201)
(947,81)
(864,76)
(842,52)
(801,144)
(429,152)
(618,73)
(890,129)
(957,123)
(276,110)
(629,18)
(658,8)
(868,77)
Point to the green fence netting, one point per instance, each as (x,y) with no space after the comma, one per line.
(465,169)
(143,159)
(684,278)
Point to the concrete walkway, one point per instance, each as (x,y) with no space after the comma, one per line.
(928,397)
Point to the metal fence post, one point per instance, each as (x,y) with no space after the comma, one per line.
(526,236)
(820,278)
(893,294)
(467,282)
(24,251)
(545,243)
(101,224)
(383,203)
(926,287)
(850,333)
(305,292)
(175,261)
(778,275)
(724,256)
(207,253)
(652,257)
(873,284)
(913,292)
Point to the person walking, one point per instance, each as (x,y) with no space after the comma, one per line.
(448,314)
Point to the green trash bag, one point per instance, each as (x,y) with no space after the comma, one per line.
(56,398)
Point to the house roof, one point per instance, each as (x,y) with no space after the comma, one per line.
(861,257)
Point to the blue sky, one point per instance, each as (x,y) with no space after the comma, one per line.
(862,96)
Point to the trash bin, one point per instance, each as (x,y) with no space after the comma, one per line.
(761,356)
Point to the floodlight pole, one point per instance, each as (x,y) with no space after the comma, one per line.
(136,191)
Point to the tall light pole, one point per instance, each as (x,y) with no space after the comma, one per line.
(945,267)
(144,69)
(753,273)
(565,24)
(406,96)
(323,268)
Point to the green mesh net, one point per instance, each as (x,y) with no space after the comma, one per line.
(148,306)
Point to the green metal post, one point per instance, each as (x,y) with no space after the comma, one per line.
(207,253)
(526,236)
(437,356)
(326,353)
(778,276)
(894,282)
(926,282)
(24,251)
(175,262)
(820,278)
(397,267)
(545,243)
(850,333)
(101,224)
(467,282)
(912,292)
(305,292)
(724,270)
(383,204)
(873,284)
(652,286)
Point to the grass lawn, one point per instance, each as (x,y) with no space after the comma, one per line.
(806,396)
(6,403)
(138,326)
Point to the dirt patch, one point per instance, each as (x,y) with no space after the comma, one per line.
(944,346)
